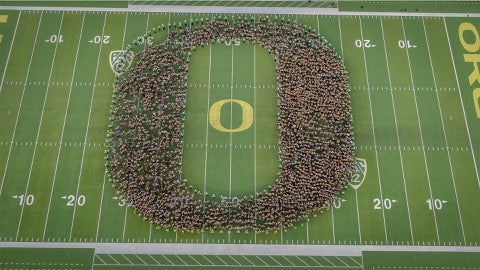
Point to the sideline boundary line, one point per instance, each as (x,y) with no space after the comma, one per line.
(240,10)
(236,249)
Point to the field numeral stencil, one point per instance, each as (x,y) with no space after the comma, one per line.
(100,39)
(235,41)
(72,200)
(143,40)
(436,204)
(121,201)
(337,203)
(55,39)
(366,43)
(387,203)
(402,44)
(27,199)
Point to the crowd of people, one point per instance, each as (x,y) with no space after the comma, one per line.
(145,142)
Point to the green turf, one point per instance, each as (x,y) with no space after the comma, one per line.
(418,260)
(55,3)
(459,6)
(407,107)
(46,258)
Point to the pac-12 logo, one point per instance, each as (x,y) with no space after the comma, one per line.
(120,60)
(359,174)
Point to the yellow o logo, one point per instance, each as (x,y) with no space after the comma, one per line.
(214,115)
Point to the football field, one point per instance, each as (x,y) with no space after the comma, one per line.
(415,123)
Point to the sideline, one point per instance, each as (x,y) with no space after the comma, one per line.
(241,10)
(236,249)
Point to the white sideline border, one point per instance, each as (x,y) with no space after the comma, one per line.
(236,249)
(242,10)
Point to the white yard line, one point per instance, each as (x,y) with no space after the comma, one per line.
(10,51)
(39,126)
(231,135)
(231,126)
(101,205)
(461,101)
(444,133)
(63,128)
(421,133)
(86,131)
(373,130)
(206,137)
(254,126)
(307,233)
(396,130)
(21,103)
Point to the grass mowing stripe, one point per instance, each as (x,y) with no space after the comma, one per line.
(112,207)
(396,132)
(356,192)
(64,191)
(423,220)
(21,102)
(450,228)
(345,229)
(394,201)
(444,133)
(86,133)
(373,130)
(6,218)
(94,163)
(39,127)
(420,128)
(31,218)
(10,50)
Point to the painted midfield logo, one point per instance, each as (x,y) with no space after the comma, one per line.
(120,60)
(359,174)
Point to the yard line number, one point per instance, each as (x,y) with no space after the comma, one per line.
(436,204)
(365,43)
(387,203)
(73,200)
(100,39)
(27,199)
(402,44)
(55,39)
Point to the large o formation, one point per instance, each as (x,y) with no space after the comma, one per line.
(316,145)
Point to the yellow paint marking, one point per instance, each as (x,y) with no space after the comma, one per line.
(1,38)
(247,115)
(3,18)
